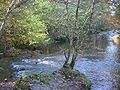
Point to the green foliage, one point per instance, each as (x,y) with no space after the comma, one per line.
(43,78)
(118,12)
(34,30)
(32,26)
(12,52)
(35,23)
(22,84)
(27,26)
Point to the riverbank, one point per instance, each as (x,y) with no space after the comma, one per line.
(64,79)
(59,82)
(7,85)
(95,64)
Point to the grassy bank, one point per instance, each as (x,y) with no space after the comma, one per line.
(65,77)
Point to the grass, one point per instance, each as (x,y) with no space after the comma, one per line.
(22,83)
(43,78)
(67,73)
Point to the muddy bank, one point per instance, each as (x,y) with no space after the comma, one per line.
(64,79)
(60,84)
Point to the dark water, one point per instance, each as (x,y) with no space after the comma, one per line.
(101,65)
(5,68)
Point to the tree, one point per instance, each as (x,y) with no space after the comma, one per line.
(77,34)
(25,23)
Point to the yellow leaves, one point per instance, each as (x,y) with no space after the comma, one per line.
(113,21)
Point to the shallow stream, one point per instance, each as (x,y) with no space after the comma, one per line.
(102,65)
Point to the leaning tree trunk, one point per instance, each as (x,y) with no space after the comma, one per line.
(9,10)
(11,7)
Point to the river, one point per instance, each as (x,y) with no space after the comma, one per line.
(101,65)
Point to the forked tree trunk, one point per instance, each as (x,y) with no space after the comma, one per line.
(74,57)
(72,53)
(67,57)
(72,50)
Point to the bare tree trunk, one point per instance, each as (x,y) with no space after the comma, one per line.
(9,10)
(74,44)
(91,13)
(72,47)
(91,17)
(74,57)
(67,52)
(12,6)
(67,57)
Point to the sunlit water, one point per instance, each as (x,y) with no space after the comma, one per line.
(101,66)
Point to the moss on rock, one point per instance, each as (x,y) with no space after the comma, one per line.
(65,76)
(43,78)
(69,73)
(22,83)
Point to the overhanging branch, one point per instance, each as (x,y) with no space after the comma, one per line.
(12,7)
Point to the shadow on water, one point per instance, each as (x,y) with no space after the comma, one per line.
(5,70)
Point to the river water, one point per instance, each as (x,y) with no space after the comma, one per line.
(101,65)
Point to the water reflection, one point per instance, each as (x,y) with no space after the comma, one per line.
(5,70)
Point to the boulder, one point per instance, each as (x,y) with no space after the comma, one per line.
(116,39)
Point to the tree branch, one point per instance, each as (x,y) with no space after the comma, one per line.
(12,6)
